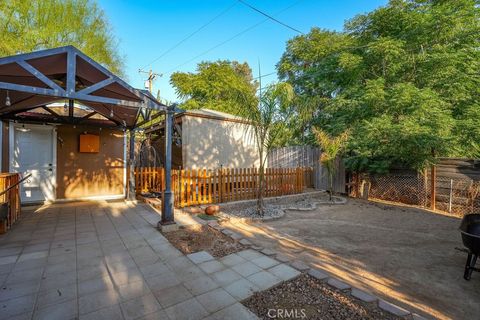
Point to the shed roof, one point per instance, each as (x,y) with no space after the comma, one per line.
(219,115)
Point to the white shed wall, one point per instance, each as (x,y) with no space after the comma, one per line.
(210,143)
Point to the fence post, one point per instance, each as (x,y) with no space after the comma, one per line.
(450,199)
(220,186)
(433,193)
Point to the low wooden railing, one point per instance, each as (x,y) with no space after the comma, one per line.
(203,186)
(9,199)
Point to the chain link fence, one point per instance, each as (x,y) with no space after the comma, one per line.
(452,195)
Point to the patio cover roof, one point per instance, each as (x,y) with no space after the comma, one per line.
(39,78)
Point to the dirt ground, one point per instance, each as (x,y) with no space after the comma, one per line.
(402,254)
(198,238)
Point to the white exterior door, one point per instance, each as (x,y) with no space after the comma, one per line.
(33,150)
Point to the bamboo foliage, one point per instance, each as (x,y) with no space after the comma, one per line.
(205,186)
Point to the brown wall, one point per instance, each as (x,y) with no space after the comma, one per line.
(5,163)
(159,145)
(89,174)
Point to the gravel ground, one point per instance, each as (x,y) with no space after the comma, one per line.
(274,206)
(305,200)
(250,211)
(309,298)
(203,238)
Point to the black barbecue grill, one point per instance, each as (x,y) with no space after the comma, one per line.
(470,230)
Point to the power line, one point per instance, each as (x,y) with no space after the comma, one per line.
(192,34)
(231,38)
(269,16)
(265,75)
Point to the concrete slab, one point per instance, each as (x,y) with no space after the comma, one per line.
(249,254)
(241,289)
(284,272)
(172,295)
(187,310)
(211,266)
(139,307)
(109,313)
(234,312)
(215,300)
(225,277)
(362,295)
(200,285)
(265,262)
(64,310)
(200,257)
(247,268)
(264,280)
(337,284)
(232,260)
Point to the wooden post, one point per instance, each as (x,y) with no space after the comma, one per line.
(433,186)
(220,184)
(131,193)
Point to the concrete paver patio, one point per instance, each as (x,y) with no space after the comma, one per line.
(107,261)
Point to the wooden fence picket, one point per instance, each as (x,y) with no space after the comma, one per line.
(204,186)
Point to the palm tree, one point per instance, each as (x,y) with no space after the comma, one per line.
(268,119)
(331,149)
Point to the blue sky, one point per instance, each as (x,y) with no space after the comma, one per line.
(147,28)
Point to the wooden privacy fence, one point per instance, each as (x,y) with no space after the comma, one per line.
(203,186)
(9,200)
(308,157)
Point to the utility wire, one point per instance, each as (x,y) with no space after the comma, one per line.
(192,34)
(231,38)
(265,75)
(269,16)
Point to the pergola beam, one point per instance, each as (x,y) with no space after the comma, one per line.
(97,86)
(65,120)
(78,96)
(91,114)
(51,111)
(40,76)
(71,71)
(34,55)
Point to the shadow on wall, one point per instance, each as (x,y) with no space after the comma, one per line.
(211,143)
(81,182)
(89,174)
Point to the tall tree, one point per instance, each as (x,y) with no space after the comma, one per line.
(41,24)
(221,85)
(268,119)
(405,79)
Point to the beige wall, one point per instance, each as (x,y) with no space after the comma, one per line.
(209,143)
(81,175)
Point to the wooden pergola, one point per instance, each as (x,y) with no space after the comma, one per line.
(30,83)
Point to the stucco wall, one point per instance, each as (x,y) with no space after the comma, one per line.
(81,175)
(209,143)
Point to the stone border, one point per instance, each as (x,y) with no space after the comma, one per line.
(234,219)
(325,277)
(336,201)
